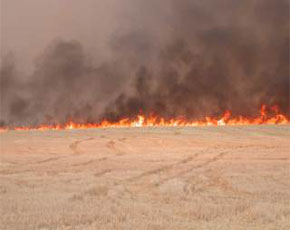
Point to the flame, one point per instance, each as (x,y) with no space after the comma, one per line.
(156,121)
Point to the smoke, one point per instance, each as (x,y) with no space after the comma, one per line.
(179,58)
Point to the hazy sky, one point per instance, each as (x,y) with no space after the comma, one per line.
(28,26)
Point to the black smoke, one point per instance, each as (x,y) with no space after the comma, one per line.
(198,58)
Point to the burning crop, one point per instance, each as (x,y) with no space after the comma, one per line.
(175,64)
(268,116)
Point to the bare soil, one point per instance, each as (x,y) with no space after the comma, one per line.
(146,178)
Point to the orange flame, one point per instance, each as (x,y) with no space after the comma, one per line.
(156,121)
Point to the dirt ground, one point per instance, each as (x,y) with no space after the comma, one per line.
(146,178)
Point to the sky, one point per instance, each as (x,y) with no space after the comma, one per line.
(27,27)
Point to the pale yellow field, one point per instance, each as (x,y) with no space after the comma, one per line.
(146,178)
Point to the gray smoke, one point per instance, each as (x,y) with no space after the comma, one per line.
(179,58)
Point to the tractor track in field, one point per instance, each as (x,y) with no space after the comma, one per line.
(184,162)
(191,169)
(74,145)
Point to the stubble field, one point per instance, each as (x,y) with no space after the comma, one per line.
(146,178)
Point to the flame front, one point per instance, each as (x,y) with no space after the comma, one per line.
(156,121)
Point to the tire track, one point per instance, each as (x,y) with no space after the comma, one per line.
(74,146)
(166,167)
(112,146)
(103,172)
(48,160)
(214,180)
(89,162)
(202,165)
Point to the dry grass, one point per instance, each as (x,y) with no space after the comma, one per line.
(164,178)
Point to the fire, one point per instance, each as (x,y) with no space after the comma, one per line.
(275,117)
(139,122)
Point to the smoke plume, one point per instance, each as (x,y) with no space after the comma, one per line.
(175,58)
